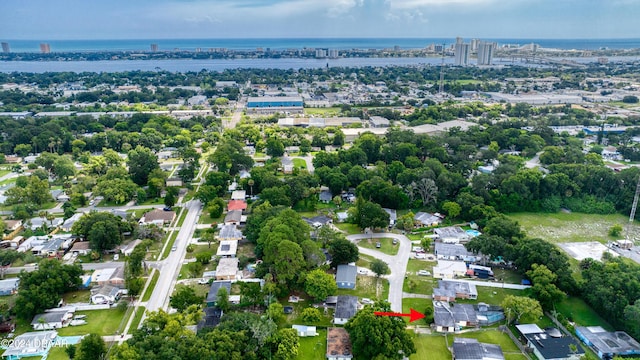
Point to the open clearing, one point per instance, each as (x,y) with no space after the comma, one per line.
(571,227)
(581,251)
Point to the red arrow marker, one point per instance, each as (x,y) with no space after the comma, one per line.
(413,315)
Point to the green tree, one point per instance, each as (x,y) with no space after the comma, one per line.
(275,312)
(319,285)
(519,307)
(91,347)
(184,297)
(379,337)
(369,215)
(141,163)
(63,168)
(342,251)
(452,209)
(169,199)
(102,229)
(287,344)
(42,289)
(311,315)
(230,156)
(285,260)
(615,230)
(22,150)
(544,287)
(406,221)
(222,302)
(379,267)
(215,207)
(275,148)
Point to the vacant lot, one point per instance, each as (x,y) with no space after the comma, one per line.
(313,347)
(101,322)
(366,287)
(386,245)
(576,310)
(571,227)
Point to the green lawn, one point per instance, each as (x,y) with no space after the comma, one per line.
(386,245)
(4,172)
(364,261)
(493,296)
(490,336)
(575,309)
(170,242)
(152,201)
(57,353)
(101,322)
(206,219)
(416,284)
(139,312)
(154,280)
(350,229)
(199,249)
(571,227)
(415,265)
(327,111)
(77,296)
(418,305)
(313,347)
(366,287)
(432,347)
(299,163)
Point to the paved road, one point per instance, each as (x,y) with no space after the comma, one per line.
(397,264)
(235,118)
(171,266)
(534,162)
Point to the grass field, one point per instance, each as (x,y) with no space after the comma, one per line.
(154,280)
(77,296)
(571,227)
(101,322)
(435,346)
(432,347)
(313,347)
(386,245)
(418,305)
(139,312)
(57,353)
(328,111)
(299,164)
(366,287)
(350,229)
(493,296)
(574,309)
(364,261)
(416,284)
(493,336)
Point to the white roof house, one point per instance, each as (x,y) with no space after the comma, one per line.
(449,269)
(227,248)
(238,195)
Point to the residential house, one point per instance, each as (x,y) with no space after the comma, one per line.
(427,219)
(449,269)
(451,290)
(392,215)
(287,165)
(472,349)
(444,251)
(342,216)
(304,331)
(211,318)
(127,249)
(108,276)
(338,344)
(48,248)
(52,320)
(451,234)
(482,272)
(227,269)
(238,195)
(80,248)
(38,222)
(346,276)
(318,221)
(233,217)
(227,248)
(59,195)
(549,345)
(9,286)
(229,232)
(30,344)
(212,297)
(325,196)
(173,181)
(13,225)
(450,318)
(106,294)
(158,217)
(68,224)
(346,308)
(607,344)
(237,205)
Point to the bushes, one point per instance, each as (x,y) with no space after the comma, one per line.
(589,204)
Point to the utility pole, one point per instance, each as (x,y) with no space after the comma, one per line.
(633,211)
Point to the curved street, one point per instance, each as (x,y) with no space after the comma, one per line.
(397,263)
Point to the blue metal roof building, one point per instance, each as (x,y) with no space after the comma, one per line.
(274,101)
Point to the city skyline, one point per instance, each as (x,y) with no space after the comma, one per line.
(174,19)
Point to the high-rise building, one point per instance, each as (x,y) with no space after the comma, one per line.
(45,48)
(5,47)
(459,40)
(461,52)
(474,44)
(485,52)
(154,47)
(321,53)
(438,48)
(333,54)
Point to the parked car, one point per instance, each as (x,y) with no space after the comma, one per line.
(203,281)
(77,322)
(424,273)
(362,271)
(366,301)
(394,242)
(420,256)
(378,245)
(417,249)
(173,248)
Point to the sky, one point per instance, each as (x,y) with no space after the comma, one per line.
(181,19)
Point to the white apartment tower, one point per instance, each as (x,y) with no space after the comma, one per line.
(485,52)
(461,53)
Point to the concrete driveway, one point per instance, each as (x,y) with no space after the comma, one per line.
(397,264)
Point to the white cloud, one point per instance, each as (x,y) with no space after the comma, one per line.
(412,4)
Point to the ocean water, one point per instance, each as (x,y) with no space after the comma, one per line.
(298,43)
